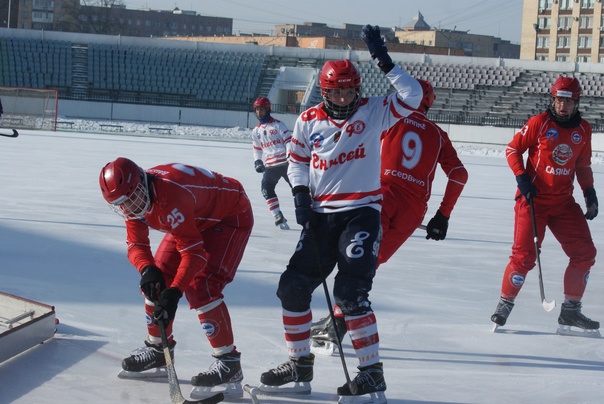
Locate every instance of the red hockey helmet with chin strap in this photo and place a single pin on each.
(262, 102)
(565, 87)
(124, 187)
(337, 74)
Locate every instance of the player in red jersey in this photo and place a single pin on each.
(207, 220)
(411, 152)
(558, 143)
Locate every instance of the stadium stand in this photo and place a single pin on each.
(200, 75)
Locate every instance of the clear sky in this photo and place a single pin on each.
(484, 17)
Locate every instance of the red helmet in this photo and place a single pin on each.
(337, 74)
(566, 87)
(429, 96)
(124, 187)
(262, 102)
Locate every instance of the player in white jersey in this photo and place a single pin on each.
(270, 144)
(334, 169)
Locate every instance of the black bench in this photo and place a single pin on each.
(111, 127)
(160, 130)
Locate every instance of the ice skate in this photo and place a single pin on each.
(281, 221)
(298, 371)
(367, 387)
(502, 312)
(323, 335)
(223, 376)
(146, 362)
(574, 323)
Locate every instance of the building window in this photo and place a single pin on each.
(566, 4)
(561, 58)
(585, 42)
(564, 23)
(545, 4)
(563, 41)
(543, 42)
(587, 4)
(586, 22)
(583, 59)
(545, 22)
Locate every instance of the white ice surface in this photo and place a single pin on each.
(61, 245)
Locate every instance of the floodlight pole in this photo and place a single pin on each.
(9, 7)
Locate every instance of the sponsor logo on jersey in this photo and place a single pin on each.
(269, 144)
(316, 139)
(576, 137)
(551, 134)
(405, 176)
(298, 143)
(562, 154)
(557, 171)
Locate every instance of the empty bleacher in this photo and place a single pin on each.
(208, 76)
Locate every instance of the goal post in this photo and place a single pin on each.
(29, 108)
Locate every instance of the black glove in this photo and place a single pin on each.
(165, 309)
(591, 201)
(303, 204)
(525, 185)
(377, 47)
(259, 166)
(437, 227)
(152, 282)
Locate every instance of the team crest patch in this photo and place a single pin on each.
(562, 154)
(517, 280)
(576, 137)
(209, 328)
(551, 134)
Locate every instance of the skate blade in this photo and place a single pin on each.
(377, 397)
(570, 331)
(230, 390)
(297, 388)
(157, 373)
(326, 348)
(284, 226)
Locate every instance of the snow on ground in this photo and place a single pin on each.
(61, 245)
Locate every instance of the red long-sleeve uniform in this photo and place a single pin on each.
(556, 154)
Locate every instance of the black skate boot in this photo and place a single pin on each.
(297, 370)
(323, 339)
(369, 381)
(502, 312)
(571, 316)
(323, 330)
(150, 356)
(224, 372)
(281, 221)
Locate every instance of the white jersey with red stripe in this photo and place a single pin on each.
(339, 160)
(270, 142)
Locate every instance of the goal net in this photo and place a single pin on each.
(29, 108)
